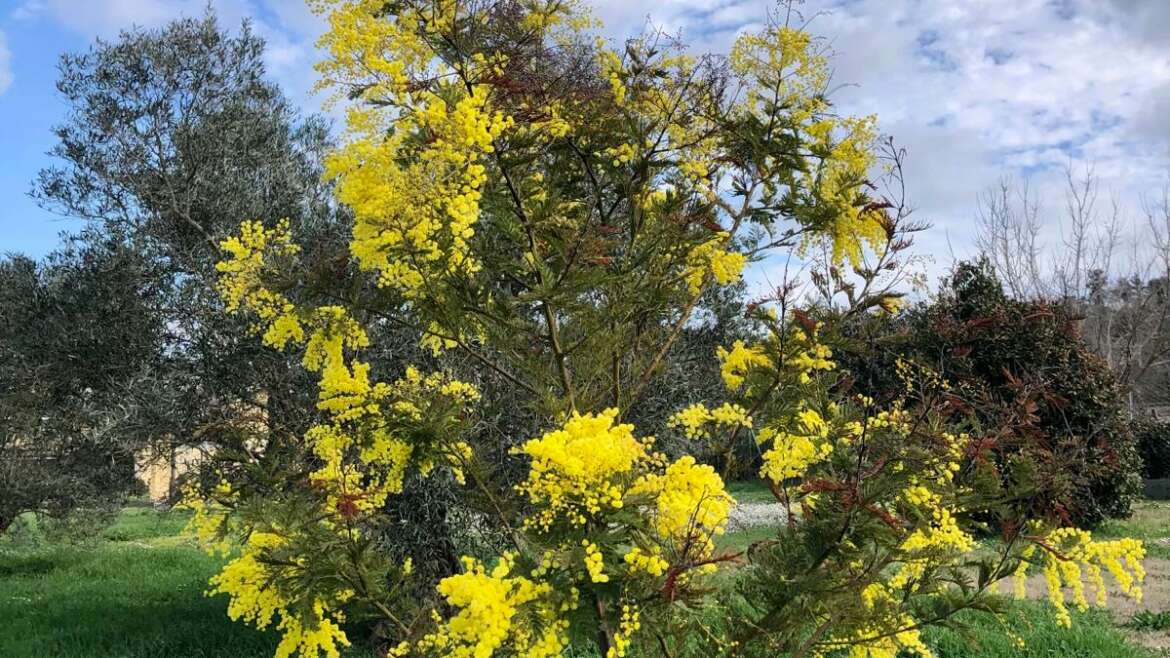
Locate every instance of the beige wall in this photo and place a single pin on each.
(161, 471)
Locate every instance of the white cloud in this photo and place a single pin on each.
(5, 64)
(105, 18)
(289, 19)
(28, 10)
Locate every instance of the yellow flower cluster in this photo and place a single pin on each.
(592, 466)
(782, 54)
(849, 142)
(358, 40)
(809, 356)
(888, 632)
(612, 70)
(937, 534)
(415, 209)
(630, 623)
(695, 419)
(801, 354)
(1071, 556)
(382, 456)
(497, 609)
(621, 154)
(345, 390)
(784, 67)
(794, 450)
(241, 282)
(734, 364)
(364, 487)
(692, 420)
(249, 583)
(415, 190)
(711, 258)
(582, 469)
(594, 563)
(322, 636)
(691, 505)
(348, 394)
(255, 598)
(209, 522)
(362, 453)
(650, 562)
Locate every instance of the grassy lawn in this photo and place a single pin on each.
(750, 491)
(136, 591)
(1093, 635)
(740, 540)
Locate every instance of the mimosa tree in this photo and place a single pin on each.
(525, 197)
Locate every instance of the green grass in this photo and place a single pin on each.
(1150, 523)
(1093, 635)
(136, 593)
(738, 541)
(144, 523)
(1148, 620)
(750, 491)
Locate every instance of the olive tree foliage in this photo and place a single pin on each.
(77, 336)
(548, 212)
(170, 135)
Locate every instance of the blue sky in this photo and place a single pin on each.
(974, 89)
(28, 109)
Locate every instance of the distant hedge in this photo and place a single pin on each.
(1153, 445)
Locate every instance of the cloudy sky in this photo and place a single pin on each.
(973, 89)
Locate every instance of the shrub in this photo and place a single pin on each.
(1033, 384)
(1153, 444)
(72, 331)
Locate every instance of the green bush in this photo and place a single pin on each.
(1050, 406)
(1153, 444)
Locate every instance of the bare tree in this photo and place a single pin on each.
(1114, 279)
(1009, 235)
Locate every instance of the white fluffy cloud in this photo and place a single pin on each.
(104, 18)
(5, 64)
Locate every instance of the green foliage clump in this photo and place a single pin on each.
(1049, 406)
(72, 331)
(1148, 620)
(1153, 444)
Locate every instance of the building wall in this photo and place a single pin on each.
(161, 471)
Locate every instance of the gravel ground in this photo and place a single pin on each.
(748, 515)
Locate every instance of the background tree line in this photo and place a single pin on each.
(1107, 269)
